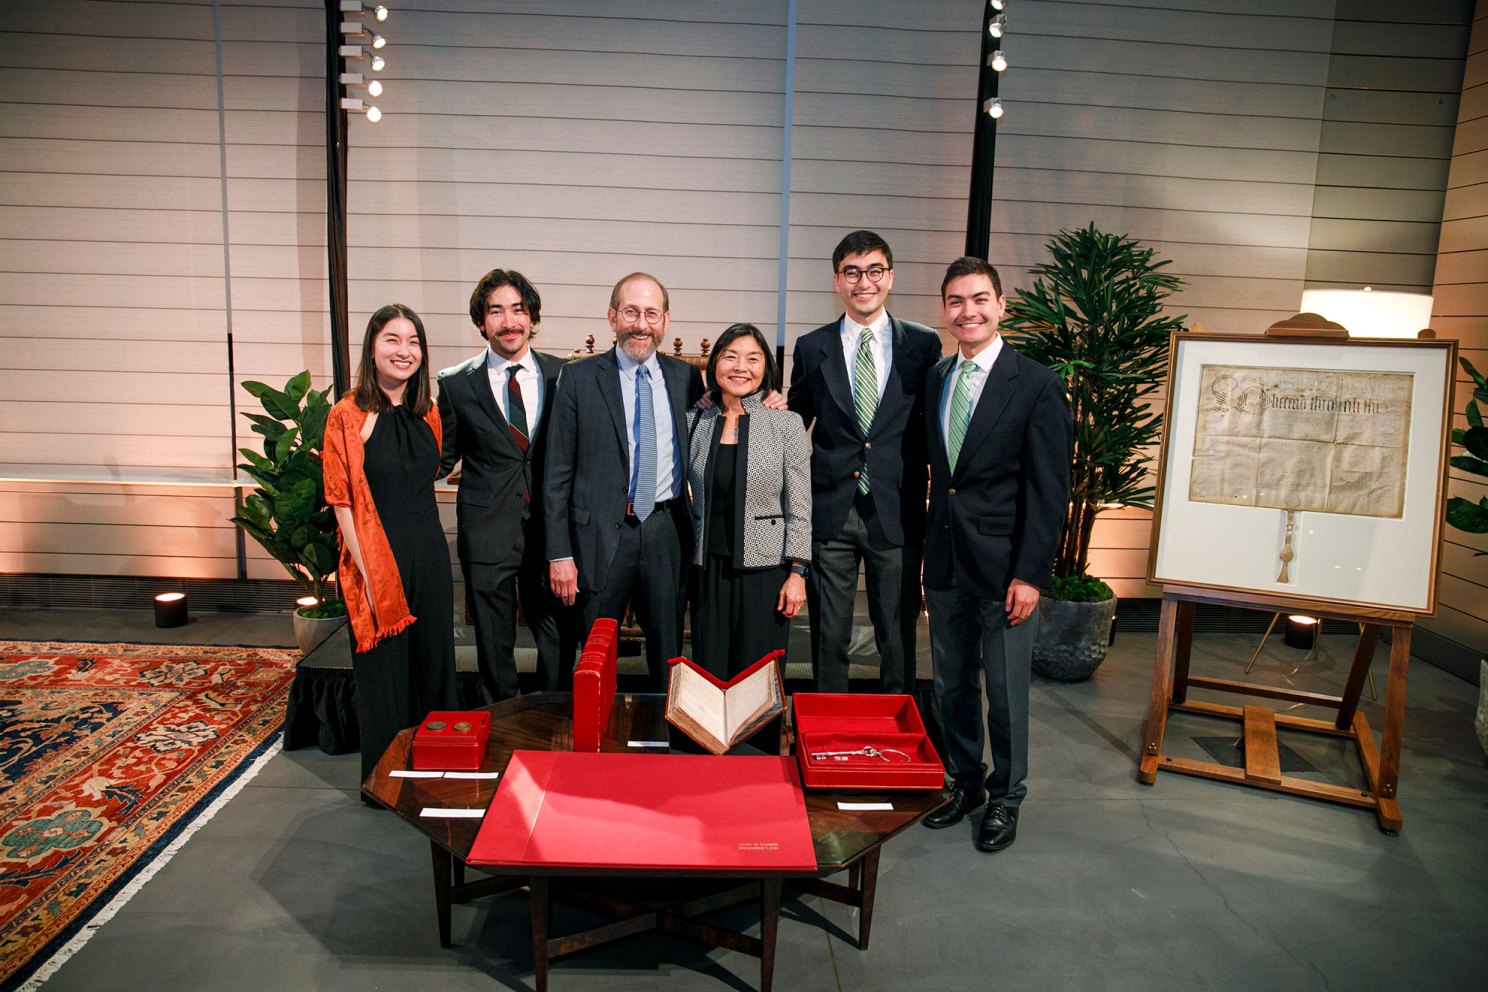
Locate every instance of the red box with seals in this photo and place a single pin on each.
(451, 741)
(863, 741)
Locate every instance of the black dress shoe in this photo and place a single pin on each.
(964, 799)
(999, 828)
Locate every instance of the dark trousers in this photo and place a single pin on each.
(400, 680)
(832, 592)
(492, 591)
(970, 640)
(646, 573)
(734, 619)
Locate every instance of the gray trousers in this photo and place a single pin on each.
(970, 641)
(832, 592)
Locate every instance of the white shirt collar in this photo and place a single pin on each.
(984, 358)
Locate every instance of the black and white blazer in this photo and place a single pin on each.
(776, 509)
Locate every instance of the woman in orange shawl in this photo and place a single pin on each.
(380, 459)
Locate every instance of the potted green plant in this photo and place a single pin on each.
(1094, 315)
(1472, 517)
(287, 514)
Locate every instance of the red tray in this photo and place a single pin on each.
(444, 748)
(841, 721)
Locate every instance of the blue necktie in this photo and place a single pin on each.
(643, 493)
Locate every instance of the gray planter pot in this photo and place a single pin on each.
(310, 632)
(1072, 638)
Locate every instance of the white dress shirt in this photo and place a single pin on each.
(527, 378)
(883, 349)
(984, 360)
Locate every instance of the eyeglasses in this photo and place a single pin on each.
(852, 273)
(635, 314)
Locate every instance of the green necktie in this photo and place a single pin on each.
(960, 412)
(865, 393)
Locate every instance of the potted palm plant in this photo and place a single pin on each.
(287, 514)
(1472, 517)
(1094, 316)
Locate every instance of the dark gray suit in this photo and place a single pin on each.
(994, 519)
(500, 536)
(586, 488)
(885, 529)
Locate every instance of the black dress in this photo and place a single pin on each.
(734, 619)
(404, 677)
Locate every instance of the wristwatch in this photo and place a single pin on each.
(798, 569)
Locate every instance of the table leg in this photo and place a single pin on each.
(769, 921)
(542, 917)
(870, 885)
(443, 869)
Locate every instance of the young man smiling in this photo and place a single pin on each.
(999, 440)
(494, 409)
(858, 384)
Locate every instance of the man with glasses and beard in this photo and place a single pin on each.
(619, 528)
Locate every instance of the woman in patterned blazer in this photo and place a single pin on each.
(750, 473)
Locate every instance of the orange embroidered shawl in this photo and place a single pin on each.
(346, 485)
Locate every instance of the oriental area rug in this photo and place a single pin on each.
(110, 754)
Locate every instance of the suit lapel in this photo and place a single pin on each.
(996, 393)
(932, 410)
(485, 398)
(609, 390)
(894, 396)
(834, 370)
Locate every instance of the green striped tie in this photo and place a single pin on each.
(865, 395)
(960, 412)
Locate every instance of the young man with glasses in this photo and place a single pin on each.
(614, 493)
(858, 383)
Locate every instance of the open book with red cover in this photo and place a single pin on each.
(647, 811)
(719, 714)
(594, 685)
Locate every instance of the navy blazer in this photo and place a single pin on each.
(586, 484)
(997, 516)
(893, 449)
(494, 471)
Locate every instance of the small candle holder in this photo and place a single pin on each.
(1302, 631)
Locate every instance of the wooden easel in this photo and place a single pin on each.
(1262, 763)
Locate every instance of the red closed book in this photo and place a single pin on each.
(594, 685)
(647, 811)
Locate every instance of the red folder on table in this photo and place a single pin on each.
(647, 811)
(594, 685)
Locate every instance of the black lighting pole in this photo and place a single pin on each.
(983, 148)
(336, 201)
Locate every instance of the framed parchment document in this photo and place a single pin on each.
(1305, 468)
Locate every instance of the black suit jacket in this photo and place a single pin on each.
(495, 472)
(894, 448)
(997, 516)
(587, 481)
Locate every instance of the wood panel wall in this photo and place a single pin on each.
(1461, 311)
(143, 217)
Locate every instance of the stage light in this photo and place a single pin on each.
(380, 13)
(374, 115)
(997, 62)
(378, 62)
(170, 609)
(998, 26)
(374, 88)
(993, 107)
(999, 5)
(378, 40)
(1301, 631)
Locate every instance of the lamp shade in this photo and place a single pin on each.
(1370, 314)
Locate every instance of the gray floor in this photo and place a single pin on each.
(1112, 885)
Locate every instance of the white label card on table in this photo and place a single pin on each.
(884, 806)
(483, 775)
(410, 773)
(648, 744)
(438, 813)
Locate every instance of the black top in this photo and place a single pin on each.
(401, 459)
(722, 507)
